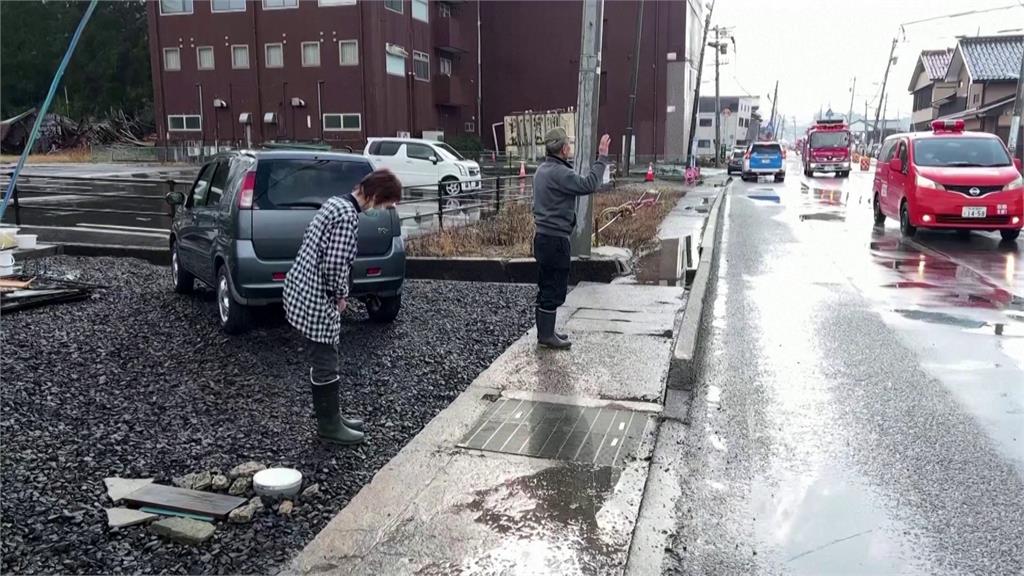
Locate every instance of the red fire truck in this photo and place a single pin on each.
(826, 148)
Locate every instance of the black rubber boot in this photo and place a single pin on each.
(546, 331)
(353, 423)
(329, 424)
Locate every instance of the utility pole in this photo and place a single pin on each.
(885, 79)
(718, 104)
(696, 89)
(632, 90)
(775, 97)
(1015, 145)
(849, 117)
(586, 117)
(885, 105)
(864, 139)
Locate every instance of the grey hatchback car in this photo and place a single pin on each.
(240, 225)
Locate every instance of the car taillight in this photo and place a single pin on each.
(373, 271)
(245, 195)
(279, 276)
(783, 153)
(746, 155)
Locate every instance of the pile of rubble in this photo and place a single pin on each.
(187, 513)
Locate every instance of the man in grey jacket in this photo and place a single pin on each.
(555, 189)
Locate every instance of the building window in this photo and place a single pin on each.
(240, 57)
(343, 122)
(275, 55)
(280, 4)
(470, 127)
(395, 5)
(446, 66)
(704, 122)
(420, 10)
(310, 54)
(172, 59)
(228, 5)
(204, 57)
(703, 143)
(348, 52)
(337, 2)
(444, 10)
(741, 142)
(184, 123)
(395, 64)
(169, 7)
(421, 65)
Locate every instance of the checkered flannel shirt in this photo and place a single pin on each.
(320, 275)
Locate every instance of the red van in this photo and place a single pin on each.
(951, 179)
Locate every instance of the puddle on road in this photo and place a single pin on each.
(940, 318)
(551, 522)
(824, 216)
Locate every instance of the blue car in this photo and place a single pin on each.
(764, 159)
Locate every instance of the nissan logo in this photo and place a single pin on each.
(974, 191)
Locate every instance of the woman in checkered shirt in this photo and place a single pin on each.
(316, 293)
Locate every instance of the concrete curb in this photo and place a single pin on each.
(515, 270)
(684, 351)
(153, 255)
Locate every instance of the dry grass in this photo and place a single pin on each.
(509, 234)
(75, 156)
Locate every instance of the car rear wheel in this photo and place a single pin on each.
(808, 173)
(876, 207)
(182, 280)
(1009, 235)
(906, 228)
(234, 317)
(780, 177)
(450, 186)
(383, 310)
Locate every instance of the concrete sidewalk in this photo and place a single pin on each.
(538, 468)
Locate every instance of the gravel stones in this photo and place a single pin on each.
(246, 470)
(183, 530)
(285, 508)
(195, 481)
(240, 486)
(183, 397)
(311, 492)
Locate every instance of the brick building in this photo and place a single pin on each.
(340, 71)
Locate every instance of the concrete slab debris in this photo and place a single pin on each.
(122, 517)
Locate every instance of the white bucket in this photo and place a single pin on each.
(6, 270)
(26, 240)
(7, 258)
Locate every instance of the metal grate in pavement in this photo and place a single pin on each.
(601, 436)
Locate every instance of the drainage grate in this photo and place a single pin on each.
(602, 436)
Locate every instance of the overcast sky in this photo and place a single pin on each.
(814, 48)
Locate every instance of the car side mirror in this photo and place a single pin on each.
(1020, 165)
(175, 198)
(896, 164)
(434, 160)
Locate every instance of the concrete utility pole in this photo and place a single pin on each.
(1015, 145)
(885, 79)
(586, 118)
(775, 97)
(885, 105)
(696, 89)
(864, 140)
(632, 89)
(718, 104)
(849, 117)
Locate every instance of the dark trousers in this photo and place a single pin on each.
(552, 254)
(323, 362)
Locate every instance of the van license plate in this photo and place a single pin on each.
(974, 211)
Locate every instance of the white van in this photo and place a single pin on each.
(419, 162)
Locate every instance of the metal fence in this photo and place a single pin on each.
(426, 209)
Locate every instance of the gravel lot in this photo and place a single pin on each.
(140, 382)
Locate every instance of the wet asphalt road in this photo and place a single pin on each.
(860, 404)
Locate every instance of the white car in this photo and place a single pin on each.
(418, 162)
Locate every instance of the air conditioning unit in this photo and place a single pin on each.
(245, 118)
(218, 103)
(193, 151)
(404, 134)
(396, 50)
(433, 135)
(270, 118)
(298, 103)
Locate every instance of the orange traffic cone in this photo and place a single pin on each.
(650, 173)
(522, 169)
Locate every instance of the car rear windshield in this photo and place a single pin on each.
(305, 183)
(960, 151)
(766, 149)
(830, 140)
